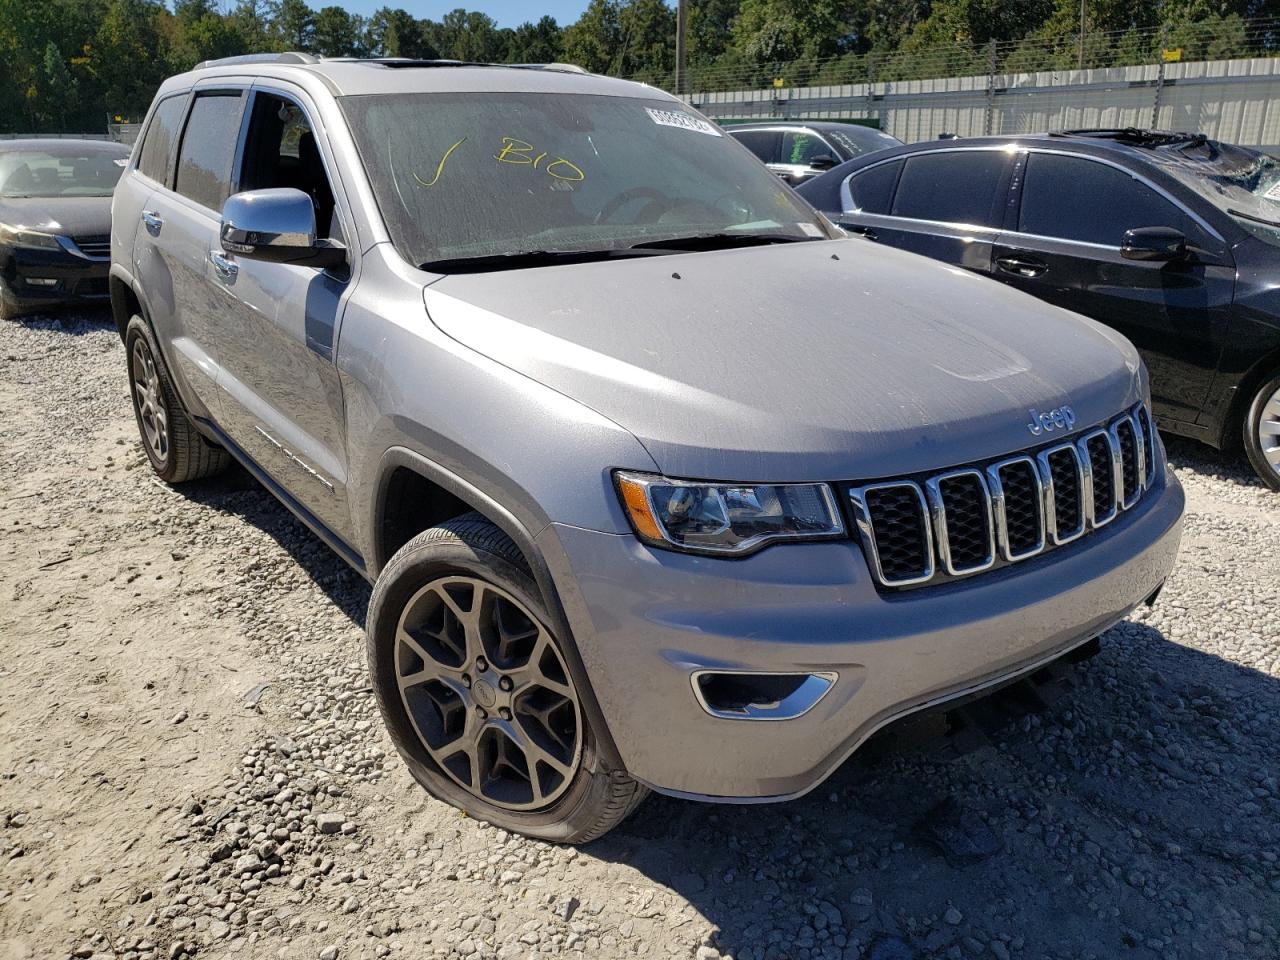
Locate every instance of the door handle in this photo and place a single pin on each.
(1026, 267)
(152, 220)
(225, 268)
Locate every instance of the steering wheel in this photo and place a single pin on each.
(635, 193)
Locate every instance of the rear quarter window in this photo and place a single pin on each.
(872, 190)
(156, 154)
(763, 143)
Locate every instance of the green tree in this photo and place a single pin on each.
(253, 20)
(127, 57)
(647, 51)
(593, 41)
(463, 35)
(336, 33)
(58, 91)
(780, 30)
(293, 24)
(535, 42)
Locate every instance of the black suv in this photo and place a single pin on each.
(1172, 239)
(798, 150)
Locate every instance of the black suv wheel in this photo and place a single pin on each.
(1262, 432)
(473, 687)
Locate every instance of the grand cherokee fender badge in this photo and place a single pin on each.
(1060, 418)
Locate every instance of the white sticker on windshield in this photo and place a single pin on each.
(1274, 192)
(674, 118)
(121, 162)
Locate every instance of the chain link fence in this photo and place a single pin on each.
(1220, 77)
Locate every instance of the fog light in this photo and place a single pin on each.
(743, 695)
(42, 281)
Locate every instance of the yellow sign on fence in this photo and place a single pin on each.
(1171, 56)
(778, 82)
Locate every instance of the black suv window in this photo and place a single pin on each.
(872, 190)
(952, 186)
(162, 133)
(208, 149)
(1074, 198)
(763, 143)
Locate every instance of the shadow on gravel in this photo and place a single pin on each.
(1136, 817)
(1231, 467)
(236, 492)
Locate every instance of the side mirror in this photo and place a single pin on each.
(823, 161)
(278, 226)
(1154, 243)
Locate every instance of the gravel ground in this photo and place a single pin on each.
(191, 762)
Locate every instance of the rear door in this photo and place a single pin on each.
(179, 221)
(944, 204)
(1070, 216)
(280, 393)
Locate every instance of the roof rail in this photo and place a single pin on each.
(296, 58)
(561, 67)
(1135, 136)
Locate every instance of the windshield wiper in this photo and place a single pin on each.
(719, 241)
(521, 259)
(1249, 216)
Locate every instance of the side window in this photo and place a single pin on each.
(763, 143)
(209, 148)
(1073, 198)
(281, 151)
(955, 186)
(162, 134)
(872, 190)
(799, 148)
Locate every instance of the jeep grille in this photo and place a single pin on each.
(922, 530)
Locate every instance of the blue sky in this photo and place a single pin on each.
(508, 13)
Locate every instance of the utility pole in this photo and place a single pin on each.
(682, 31)
(1080, 63)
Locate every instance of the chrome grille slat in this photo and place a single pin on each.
(964, 521)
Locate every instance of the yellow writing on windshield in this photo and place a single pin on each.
(440, 167)
(521, 152)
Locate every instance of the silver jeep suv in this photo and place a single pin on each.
(660, 482)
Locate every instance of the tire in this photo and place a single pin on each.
(1262, 431)
(8, 309)
(176, 450)
(474, 691)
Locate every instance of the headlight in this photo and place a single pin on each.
(726, 518)
(21, 237)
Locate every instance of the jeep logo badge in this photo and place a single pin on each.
(1060, 418)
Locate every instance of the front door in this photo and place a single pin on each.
(1072, 215)
(280, 394)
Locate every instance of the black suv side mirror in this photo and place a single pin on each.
(277, 225)
(823, 161)
(1154, 243)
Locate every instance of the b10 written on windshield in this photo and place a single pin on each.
(517, 152)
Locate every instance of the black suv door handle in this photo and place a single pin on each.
(1027, 267)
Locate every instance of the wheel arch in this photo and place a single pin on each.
(448, 496)
(1230, 430)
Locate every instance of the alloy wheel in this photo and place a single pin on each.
(148, 396)
(1269, 432)
(487, 692)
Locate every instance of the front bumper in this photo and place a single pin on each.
(646, 621)
(77, 279)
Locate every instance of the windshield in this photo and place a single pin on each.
(467, 175)
(1244, 183)
(38, 174)
(859, 140)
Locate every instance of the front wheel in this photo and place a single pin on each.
(1262, 432)
(475, 691)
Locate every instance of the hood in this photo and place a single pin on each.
(72, 216)
(822, 360)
